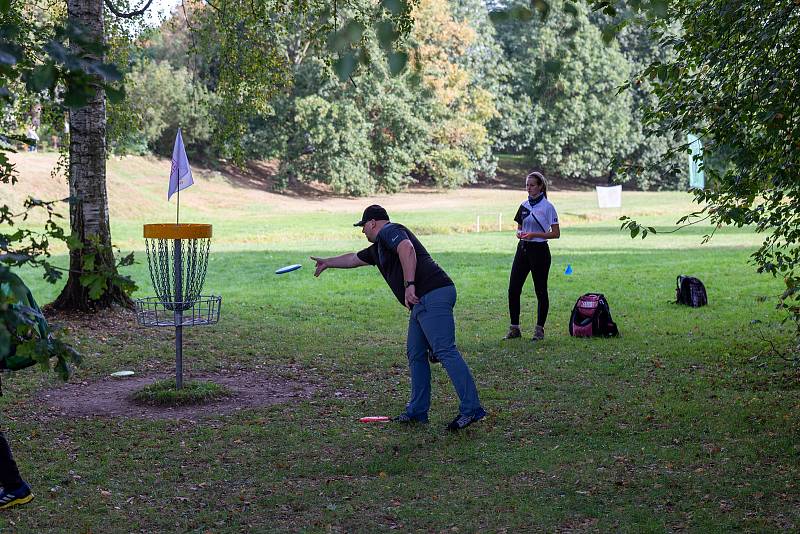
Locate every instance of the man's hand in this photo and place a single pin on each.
(411, 297)
(321, 265)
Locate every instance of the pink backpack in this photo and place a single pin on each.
(591, 317)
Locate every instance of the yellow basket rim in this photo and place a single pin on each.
(177, 231)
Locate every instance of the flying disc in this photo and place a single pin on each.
(122, 374)
(374, 419)
(288, 268)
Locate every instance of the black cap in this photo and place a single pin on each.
(373, 212)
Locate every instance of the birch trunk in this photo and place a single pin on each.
(87, 183)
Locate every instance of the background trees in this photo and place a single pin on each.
(473, 87)
(734, 81)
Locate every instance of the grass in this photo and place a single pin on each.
(688, 421)
(165, 393)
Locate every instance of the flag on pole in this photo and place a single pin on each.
(180, 177)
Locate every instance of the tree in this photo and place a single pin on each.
(93, 281)
(734, 82)
(161, 99)
(33, 60)
(575, 124)
(653, 171)
(492, 71)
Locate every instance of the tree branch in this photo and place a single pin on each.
(130, 15)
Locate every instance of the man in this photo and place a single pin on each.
(425, 289)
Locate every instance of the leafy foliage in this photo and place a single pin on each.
(733, 80)
(163, 98)
(566, 77)
(36, 63)
(25, 338)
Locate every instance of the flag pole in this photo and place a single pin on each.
(178, 214)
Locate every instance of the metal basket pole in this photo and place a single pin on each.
(178, 270)
(169, 307)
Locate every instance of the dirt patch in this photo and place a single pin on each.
(115, 321)
(111, 397)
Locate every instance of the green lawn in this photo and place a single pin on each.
(688, 421)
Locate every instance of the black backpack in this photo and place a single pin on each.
(591, 317)
(690, 291)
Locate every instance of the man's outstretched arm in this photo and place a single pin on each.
(345, 261)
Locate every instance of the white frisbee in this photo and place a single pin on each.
(122, 374)
(288, 268)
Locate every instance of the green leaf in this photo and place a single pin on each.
(499, 16)
(521, 13)
(336, 41)
(364, 57)
(7, 58)
(43, 77)
(386, 33)
(542, 7)
(397, 62)
(108, 71)
(95, 283)
(658, 8)
(552, 66)
(115, 96)
(353, 31)
(77, 96)
(5, 5)
(570, 8)
(395, 7)
(608, 33)
(344, 66)
(88, 262)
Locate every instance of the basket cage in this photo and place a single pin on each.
(192, 259)
(151, 311)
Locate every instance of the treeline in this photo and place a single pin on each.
(473, 87)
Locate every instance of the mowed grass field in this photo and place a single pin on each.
(689, 421)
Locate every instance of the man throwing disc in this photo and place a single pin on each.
(425, 289)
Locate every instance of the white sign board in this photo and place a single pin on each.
(609, 197)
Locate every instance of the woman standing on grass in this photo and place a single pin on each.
(537, 221)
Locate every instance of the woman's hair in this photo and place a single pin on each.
(539, 178)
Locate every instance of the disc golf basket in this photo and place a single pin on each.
(177, 255)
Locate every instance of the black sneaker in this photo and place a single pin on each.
(513, 332)
(20, 495)
(405, 419)
(461, 422)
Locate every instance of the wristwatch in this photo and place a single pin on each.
(408, 283)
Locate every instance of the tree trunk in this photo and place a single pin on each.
(88, 212)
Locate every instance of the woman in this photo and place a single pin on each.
(537, 221)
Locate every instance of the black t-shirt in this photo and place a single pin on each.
(383, 254)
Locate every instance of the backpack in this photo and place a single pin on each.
(591, 317)
(690, 291)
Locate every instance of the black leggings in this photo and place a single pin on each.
(9, 474)
(531, 257)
